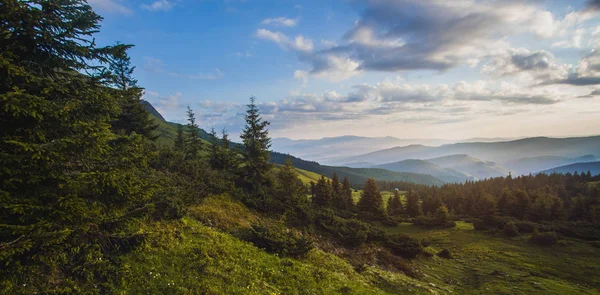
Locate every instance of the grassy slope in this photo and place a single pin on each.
(492, 264)
(189, 257)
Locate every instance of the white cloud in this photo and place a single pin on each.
(281, 21)
(159, 5)
(111, 6)
(299, 44)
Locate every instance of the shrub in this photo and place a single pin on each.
(386, 258)
(527, 226)
(511, 230)
(445, 254)
(544, 239)
(480, 225)
(350, 232)
(404, 245)
(278, 239)
(426, 221)
(588, 231)
(168, 207)
(390, 222)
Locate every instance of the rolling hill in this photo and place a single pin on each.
(499, 152)
(357, 176)
(536, 164)
(427, 167)
(593, 167)
(471, 166)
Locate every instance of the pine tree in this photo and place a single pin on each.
(394, 206)
(256, 149)
(194, 143)
(290, 190)
(180, 139)
(370, 204)
(69, 186)
(336, 186)
(346, 200)
(413, 207)
(323, 196)
(133, 116)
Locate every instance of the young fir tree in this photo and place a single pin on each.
(336, 187)
(69, 186)
(413, 207)
(133, 116)
(346, 200)
(394, 205)
(370, 204)
(256, 149)
(180, 139)
(193, 143)
(290, 191)
(323, 195)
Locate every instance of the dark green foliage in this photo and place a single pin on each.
(133, 116)
(193, 142)
(256, 150)
(391, 222)
(289, 190)
(345, 202)
(394, 205)
(180, 139)
(370, 205)
(440, 219)
(445, 254)
(404, 245)
(168, 207)
(580, 230)
(510, 229)
(413, 206)
(350, 232)
(544, 238)
(527, 226)
(275, 238)
(70, 188)
(322, 194)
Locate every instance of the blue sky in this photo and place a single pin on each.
(404, 68)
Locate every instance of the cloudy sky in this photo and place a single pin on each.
(406, 68)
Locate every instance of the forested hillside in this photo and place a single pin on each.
(94, 201)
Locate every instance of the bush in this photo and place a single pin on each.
(278, 239)
(544, 239)
(390, 222)
(588, 231)
(430, 222)
(511, 230)
(351, 232)
(168, 207)
(481, 225)
(404, 245)
(386, 258)
(445, 254)
(527, 226)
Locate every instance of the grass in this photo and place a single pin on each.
(492, 264)
(189, 257)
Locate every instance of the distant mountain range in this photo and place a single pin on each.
(593, 167)
(419, 163)
(507, 154)
(357, 176)
(324, 149)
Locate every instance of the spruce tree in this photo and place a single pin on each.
(69, 186)
(394, 206)
(290, 190)
(413, 207)
(194, 143)
(180, 139)
(370, 204)
(323, 195)
(133, 116)
(257, 142)
(346, 200)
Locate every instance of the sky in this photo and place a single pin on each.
(404, 68)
